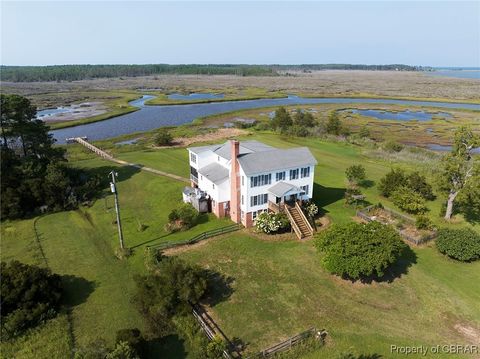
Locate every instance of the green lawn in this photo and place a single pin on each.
(80, 246)
(279, 288)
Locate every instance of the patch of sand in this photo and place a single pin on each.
(470, 333)
(221, 133)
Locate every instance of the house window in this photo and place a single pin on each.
(305, 188)
(280, 176)
(294, 174)
(193, 157)
(258, 200)
(242, 199)
(260, 180)
(218, 158)
(213, 185)
(254, 215)
(305, 172)
(243, 180)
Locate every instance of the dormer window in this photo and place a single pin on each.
(193, 157)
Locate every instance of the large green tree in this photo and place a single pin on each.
(460, 169)
(282, 120)
(34, 172)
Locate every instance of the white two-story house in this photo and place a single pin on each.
(246, 178)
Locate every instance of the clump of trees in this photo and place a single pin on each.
(408, 191)
(299, 125)
(165, 297)
(30, 295)
(461, 244)
(460, 174)
(34, 173)
(182, 218)
(169, 290)
(269, 222)
(358, 250)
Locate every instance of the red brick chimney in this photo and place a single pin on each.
(235, 182)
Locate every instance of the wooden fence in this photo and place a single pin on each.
(363, 214)
(198, 238)
(211, 330)
(290, 342)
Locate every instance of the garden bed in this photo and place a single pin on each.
(405, 225)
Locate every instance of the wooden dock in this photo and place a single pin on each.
(83, 141)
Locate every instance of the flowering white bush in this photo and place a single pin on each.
(270, 222)
(311, 209)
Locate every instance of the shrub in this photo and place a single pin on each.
(163, 138)
(133, 337)
(350, 194)
(408, 200)
(461, 244)
(310, 208)
(423, 222)
(29, 295)
(122, 350)
(392, 146)
(269, 222)
(263, 126)
(216, 347)
(358, 250)
(355, 173)
(364, 132)
(418, 183)
(169, 291)
(392, 180)
(183, 217)
(298, 131)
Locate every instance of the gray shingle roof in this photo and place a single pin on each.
(214, 172)
(279, 189)
(276, 159)
(224, 150)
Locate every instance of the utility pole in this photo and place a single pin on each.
(113, 188)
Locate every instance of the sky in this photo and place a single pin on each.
(431, 33)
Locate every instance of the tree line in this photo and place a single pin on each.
(83, 72)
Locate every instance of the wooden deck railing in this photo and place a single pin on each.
(296, 229)
(299, 209)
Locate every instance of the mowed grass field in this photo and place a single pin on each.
(279, 288)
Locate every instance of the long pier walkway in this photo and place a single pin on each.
(107, 156)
